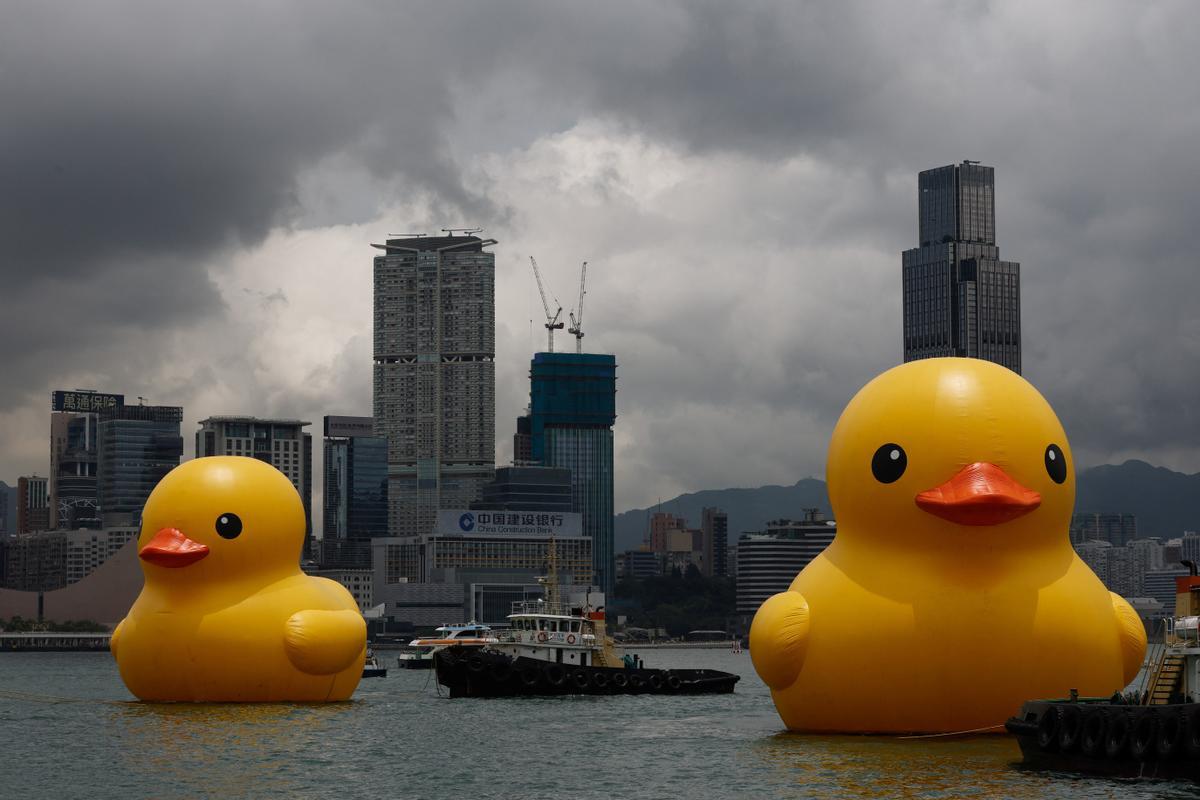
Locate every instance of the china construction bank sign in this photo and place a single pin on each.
(461, 522)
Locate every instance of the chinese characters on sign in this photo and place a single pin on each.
(84, 402)
(509, 523)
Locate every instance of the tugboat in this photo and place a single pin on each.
(1152, 732)
(420, 652)
(558, 648)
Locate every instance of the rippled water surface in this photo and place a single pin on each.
(69, 729)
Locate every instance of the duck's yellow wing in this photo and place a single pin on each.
(1133, 637)
(325, 642)
(779, 639)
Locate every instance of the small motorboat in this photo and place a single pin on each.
(372, 668)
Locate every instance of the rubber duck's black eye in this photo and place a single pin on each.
(229, 526)
(1056, 464)
(889, 463)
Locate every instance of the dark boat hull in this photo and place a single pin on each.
(415, 663)
(476, 672)
(1102, 738)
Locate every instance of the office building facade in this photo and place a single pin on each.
(960, 299)
(137, 447)
(572, 411)
(768, 561)
(528, 489)
(355, 507)
(1116, 529)
(715, 524)
(473, 555)
(33, 504)
(434, 374)
(74, 455)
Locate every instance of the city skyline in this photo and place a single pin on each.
(739, 183)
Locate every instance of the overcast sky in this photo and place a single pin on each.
(187, 197)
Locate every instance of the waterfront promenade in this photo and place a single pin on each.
(54, 642)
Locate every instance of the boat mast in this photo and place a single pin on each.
(551, 579)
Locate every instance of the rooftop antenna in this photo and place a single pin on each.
(141, 400)
(463, 231)
(552, 321)
(408, 235)
(576, 328)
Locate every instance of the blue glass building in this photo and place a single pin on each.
(138, 446)
(573, 404)
(355, 492)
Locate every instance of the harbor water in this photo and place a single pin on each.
(68, 729)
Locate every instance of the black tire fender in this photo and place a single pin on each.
(1143, 731)
(1093, 732)
(1172, 732)
(554, 675)
(1117, 740)
(1047, 728)
(1070, 725)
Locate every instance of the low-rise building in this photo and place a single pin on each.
(506, 549)
(768, 561)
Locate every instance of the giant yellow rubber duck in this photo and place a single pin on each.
(225, 613)
(950, 593)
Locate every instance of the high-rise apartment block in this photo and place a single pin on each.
(136, 447)
(355, 492)
(282, 443)
(74, 455)
(434, 374)
(715, 524)
(33, 504)
(960, 299)
(572, 410)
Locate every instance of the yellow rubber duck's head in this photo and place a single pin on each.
(945, 451)
(222, 518)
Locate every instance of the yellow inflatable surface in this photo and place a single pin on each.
(951, 592)
(226, 614)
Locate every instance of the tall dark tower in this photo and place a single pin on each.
(960, 299)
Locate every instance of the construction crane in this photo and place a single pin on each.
(576, 328)
(551, 319)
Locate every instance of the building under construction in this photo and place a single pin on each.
(434, 374)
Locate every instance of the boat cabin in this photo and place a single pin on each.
(556, 632)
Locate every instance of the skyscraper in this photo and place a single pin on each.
(434, 374)
(138, 446)
(33, 505)
(355, 492)
(960, 299)
(572, 409)
(715, 524)
(73, 455)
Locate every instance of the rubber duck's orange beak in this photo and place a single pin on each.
(980, 494)
(170, 548)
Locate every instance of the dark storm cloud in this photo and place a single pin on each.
(143, 144)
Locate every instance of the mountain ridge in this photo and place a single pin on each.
(1165, 502)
